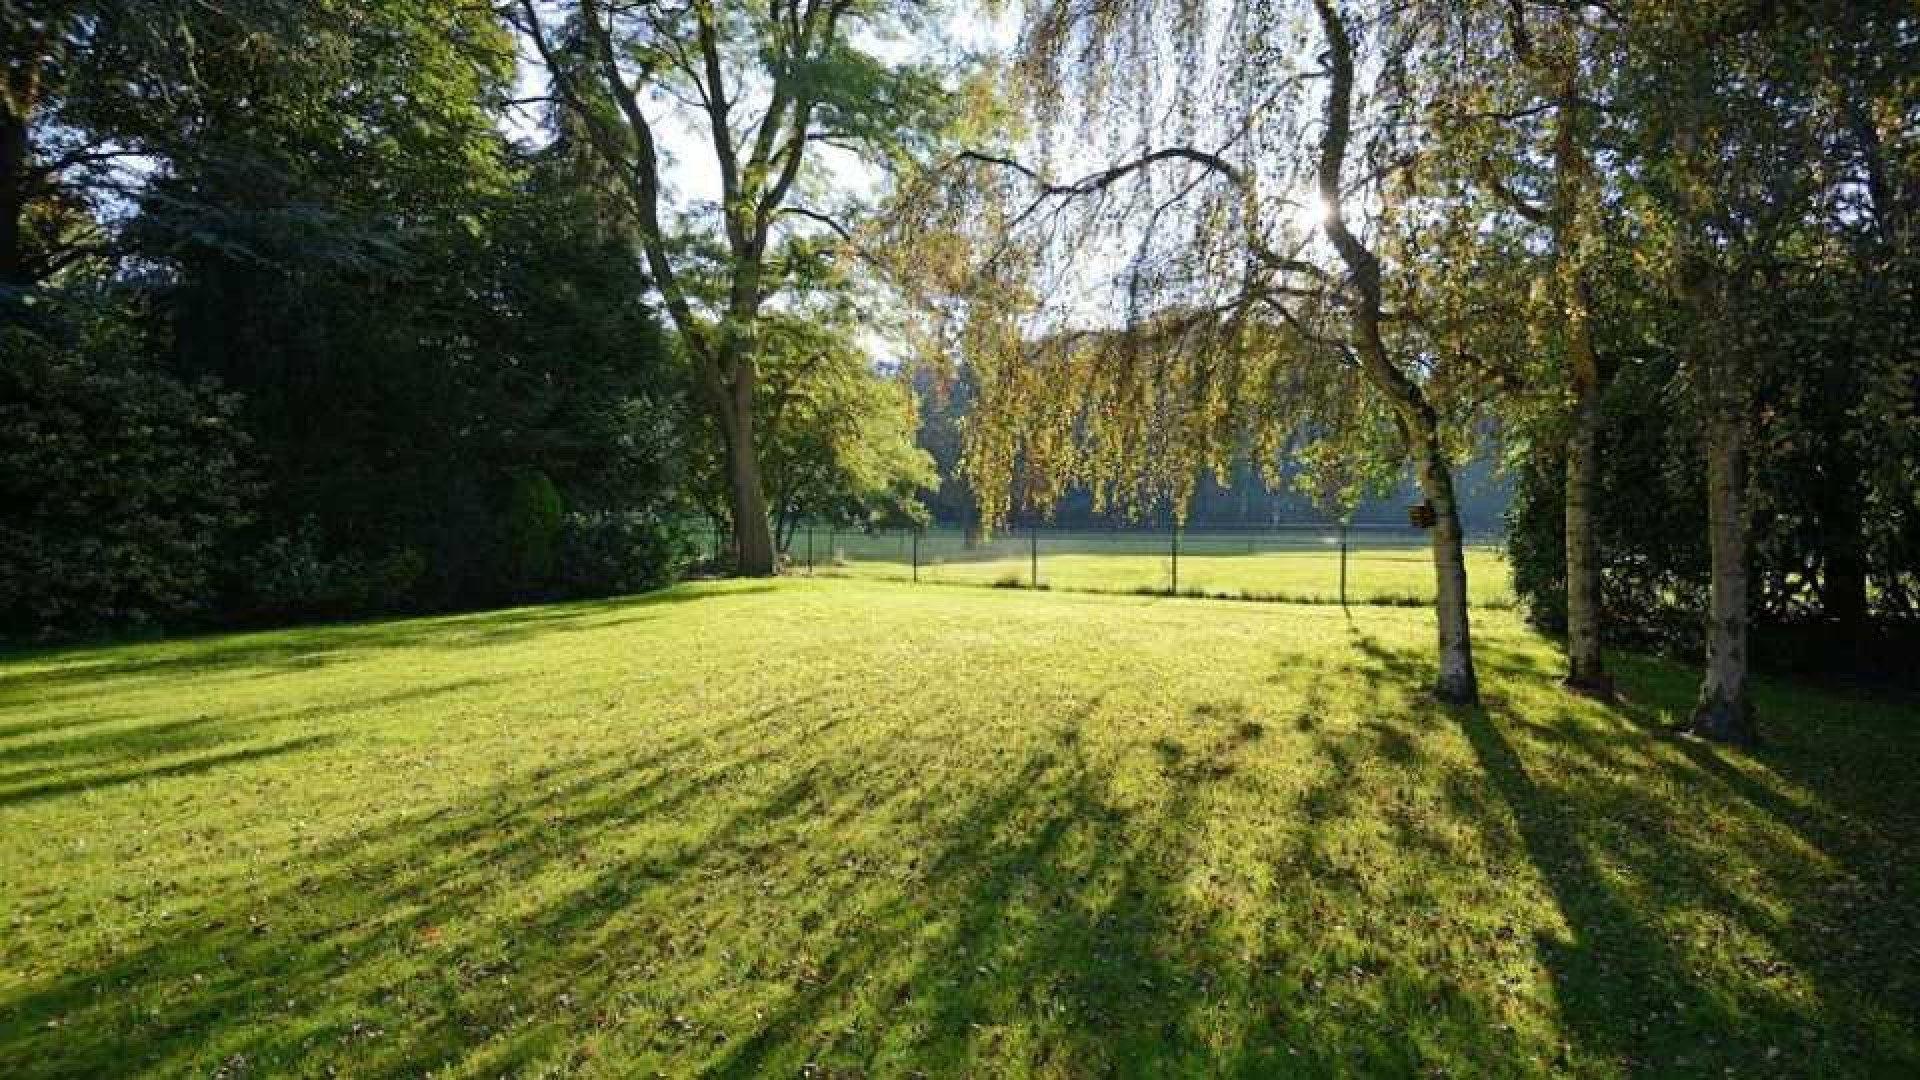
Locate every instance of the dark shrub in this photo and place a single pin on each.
(611, 553)
(121, 484)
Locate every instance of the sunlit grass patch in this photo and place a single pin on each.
(744, 829)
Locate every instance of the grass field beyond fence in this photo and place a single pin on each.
(845, 828)
(1302, 564)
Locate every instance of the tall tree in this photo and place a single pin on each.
(768, 84)
(78, 84)
(1418, 420)
(1263, 293)
(1726, 127)
(1559, 53)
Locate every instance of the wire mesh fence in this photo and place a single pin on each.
(1331, 564)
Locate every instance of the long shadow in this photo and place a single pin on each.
(173, 736)
(1612, 967)
(364, 902)
(48, 672)
(1052, 900)
(1063, 914)
(49, 768)
(206, 763)
(1630, 987)
(885, 919)
(1831, 783)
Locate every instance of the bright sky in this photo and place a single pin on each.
(693, 182)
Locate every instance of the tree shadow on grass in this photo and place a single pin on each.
(47, 789)
(1099, 894)
(1690, 883)
(336, 950)
(1066, 927)
(1046, 926)
(49, 675)
(50, 767)
(1044, 915)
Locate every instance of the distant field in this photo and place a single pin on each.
(1302, 565)
(847, 828)
(1303, 568)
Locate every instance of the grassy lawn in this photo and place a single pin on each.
(851, 828)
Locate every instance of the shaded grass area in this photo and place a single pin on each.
(846, 828)
(1398, 576)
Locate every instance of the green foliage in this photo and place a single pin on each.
(837, 437)
(610, 553)
(414, 317)
(531, 518)
(1813, 500)
(844, 449)
(420, 317)
(291, 577)
(122, 483)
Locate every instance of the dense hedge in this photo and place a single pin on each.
(123, 486)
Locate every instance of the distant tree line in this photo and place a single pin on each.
(1250, 494)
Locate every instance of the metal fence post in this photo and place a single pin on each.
(1175, 591)
(809, 550)
(1343, 565)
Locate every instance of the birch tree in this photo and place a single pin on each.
(1250, 235)
(1516, 94)
(1721, 96)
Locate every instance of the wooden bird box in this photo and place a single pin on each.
(1421, 515)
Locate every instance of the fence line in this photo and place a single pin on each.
(1363, 563)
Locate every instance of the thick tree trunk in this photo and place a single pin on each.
(13, 199)
(752, 532)
(1724, 711)
(732, 388)
(1456, 684)
(1586, 671)
(746, 495)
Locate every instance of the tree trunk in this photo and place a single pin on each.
(1457, 684)
(1419, 423)
(13, 198)
(1586, 671)
(752, 531)
(1724, 712)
